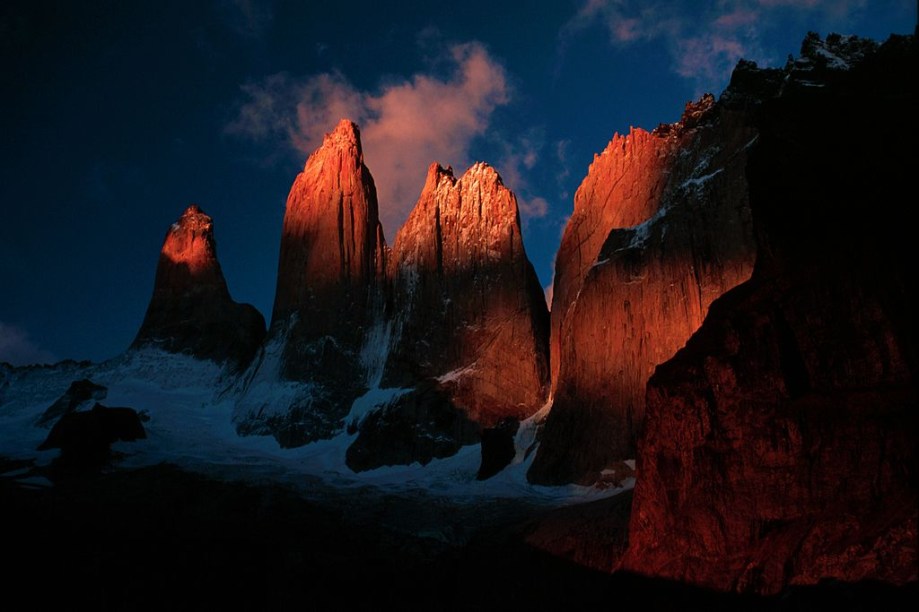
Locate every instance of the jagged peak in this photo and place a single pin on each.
(194, 209)
(694, 114)
(345, 138)
(815, 66)
(440, 177)
(480, 194)
(436, 175)
(190, 240)
(836, 52)
(483, 172)
(346, 132)
(193, 219)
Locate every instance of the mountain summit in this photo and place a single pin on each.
(191, 310)
(468, 329)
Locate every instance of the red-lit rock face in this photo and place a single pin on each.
(470, 324)
(468, 297)
(191, 310)
(188, 257)
(622, 189)
(661, 228)
(780, 445)
(331, 242)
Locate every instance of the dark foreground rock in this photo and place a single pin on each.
(85, 438)
(79, 391)
(498, 448)
(158, 538)
(418, 426)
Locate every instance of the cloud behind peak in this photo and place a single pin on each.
(405, 123)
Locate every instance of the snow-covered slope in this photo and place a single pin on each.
(191, 404)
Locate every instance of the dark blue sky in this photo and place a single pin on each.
(117, 115)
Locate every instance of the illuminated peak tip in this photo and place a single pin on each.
(193, 209)
(483, 170)
(346, 131)
(436, 171)
(193, 219)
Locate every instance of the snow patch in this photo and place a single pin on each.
(833, 61)
(695, 183)
(375, 351)
(375, 399)
(456, 374)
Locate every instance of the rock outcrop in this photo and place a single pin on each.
(780, 445)
(469, 322)
(85, 437)
(79, 392)
(661, 228)
(328, 294)
(191, 310)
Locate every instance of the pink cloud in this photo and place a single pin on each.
(535, 207)
(708, 58)
(405, 125)
(517, 158)
(627, 20)
(736, 18)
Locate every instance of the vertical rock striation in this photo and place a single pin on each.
(470, 324)
(331, 242)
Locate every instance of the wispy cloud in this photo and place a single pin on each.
(405, 124)
(534, 207)
(516, 160)
(17, 348)
(705, 39)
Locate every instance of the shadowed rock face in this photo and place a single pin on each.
(661, 228)
(191, 310)
(780, 445)
(421, 425)
(468, 315)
